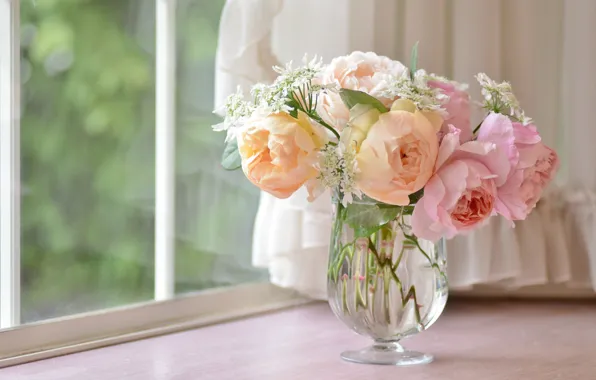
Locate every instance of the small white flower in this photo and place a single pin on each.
(338, 169)
(235, 109)
(499, 98)
(417, 91)
(291, 84)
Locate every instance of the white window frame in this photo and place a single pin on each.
(102, 328)
(20, 344)
(165, 145)
(10, 270)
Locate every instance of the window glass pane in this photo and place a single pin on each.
(87, 143)
(215, 208)
(88, 158)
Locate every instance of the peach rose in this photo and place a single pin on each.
(279, 152)
(398, 154)
(360, 71)
(362, 117)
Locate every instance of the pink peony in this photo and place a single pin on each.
(462, 193)
(458, 108)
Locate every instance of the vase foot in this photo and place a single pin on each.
(387, 353)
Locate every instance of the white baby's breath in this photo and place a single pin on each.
(236, 111)
(293, 84)
(338, 168)
(290, 77)
(499, 97)
(329, 173)
(418, 91)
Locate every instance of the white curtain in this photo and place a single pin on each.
(546, 48)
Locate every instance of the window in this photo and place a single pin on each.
(111, 189)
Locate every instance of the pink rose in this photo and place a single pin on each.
(461, 195)
(536, 168)
(458, 108)
(546, 166)
(497, 129)
(533, 165)
(360, 71)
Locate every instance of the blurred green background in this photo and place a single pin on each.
(88, 154)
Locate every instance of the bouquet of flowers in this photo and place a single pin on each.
(396, 148)
(367, 126)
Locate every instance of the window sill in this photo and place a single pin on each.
(45, 339)
(479, 340)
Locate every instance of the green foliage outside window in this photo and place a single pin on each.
(87, 148)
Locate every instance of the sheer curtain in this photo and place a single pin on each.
(542, 46)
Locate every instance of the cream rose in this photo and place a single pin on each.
(398, 154)
(279, 152)
(360, 71)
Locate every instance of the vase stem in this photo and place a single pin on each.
(387, 346)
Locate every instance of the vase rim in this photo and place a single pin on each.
(364, 200)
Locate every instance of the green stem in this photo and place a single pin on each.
(404, 301)
(477, 128)
(338, 260)
(386, 288)
(365, 299)
(355, 274)
(311, 112)
(318, 119)
(359, 302)
(414, 240)
(373, 249)
(310, 97)
(374, 296)
(434, 265)
(397, 280)
(398, 261)
(344, 295)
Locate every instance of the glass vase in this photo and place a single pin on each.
(384, 282)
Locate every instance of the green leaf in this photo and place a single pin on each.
(295, 107)
(368, 219)
(353, 97)
(414, 60)
(230, 159)
(415, 197)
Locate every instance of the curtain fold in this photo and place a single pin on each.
(542, 46)
(244, 54)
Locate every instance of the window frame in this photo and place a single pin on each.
(10, 191)
(167, 313)
(45, 339)
(165, 146)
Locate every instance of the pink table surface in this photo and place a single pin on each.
(472, 340)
